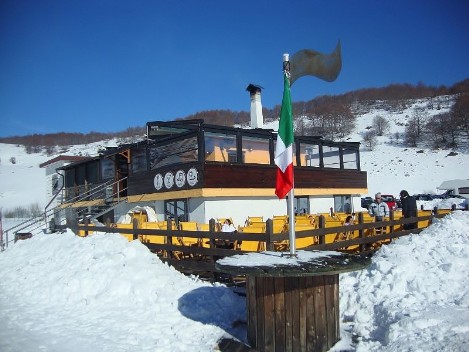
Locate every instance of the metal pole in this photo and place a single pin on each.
(291, 193)
(291, 222)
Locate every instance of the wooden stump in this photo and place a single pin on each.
(292, 305)
(293, 313)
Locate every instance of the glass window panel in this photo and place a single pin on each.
(92, 172)
(81, 175)
(220, 147)
(177, 152)
(255, 150)
(309, 155)
(70, 178)
(331, 156)
(55, 183)
(350, 158)
(343, 204)
(107, 168)
(139, 160)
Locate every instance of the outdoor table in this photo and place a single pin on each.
(292, 302)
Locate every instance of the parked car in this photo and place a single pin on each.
(366, 201)
(423, 197)
(448, 194)
(390, 200)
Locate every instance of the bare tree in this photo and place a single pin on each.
(437, 130)
(460, 112)
(412, 135)
(419, 116)
(380, 125)
(331, 121)
(369, 139)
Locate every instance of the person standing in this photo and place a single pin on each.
(379, 210)
(409, 208)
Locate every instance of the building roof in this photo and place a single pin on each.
(451, 184)
(71, 158)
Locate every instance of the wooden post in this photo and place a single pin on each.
(211, 227)
(169, 237)
(86, 222)
(361, 232)
(391, 218)
(321, 225)
(269, 229)
(134, 229)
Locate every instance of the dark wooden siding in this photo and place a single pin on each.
(221, 175)
(263, 176)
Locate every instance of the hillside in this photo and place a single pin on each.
(390, 165)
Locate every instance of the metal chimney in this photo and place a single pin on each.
(257, 120)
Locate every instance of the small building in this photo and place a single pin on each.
(188, 170)
(191, 171)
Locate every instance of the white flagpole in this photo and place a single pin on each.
(291, 193)
(291, 223)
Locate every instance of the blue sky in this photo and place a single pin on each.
(81, 66)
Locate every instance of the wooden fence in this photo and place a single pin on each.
(196, 251)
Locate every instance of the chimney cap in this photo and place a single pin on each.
(253, 88)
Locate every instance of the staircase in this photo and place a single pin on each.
(47, 221)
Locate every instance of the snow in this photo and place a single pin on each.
(59, 292)
(414, 296)
(275, 258)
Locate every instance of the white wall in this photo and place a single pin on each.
(201, 210)
(239, 208)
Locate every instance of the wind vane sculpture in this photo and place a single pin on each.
(304, 63)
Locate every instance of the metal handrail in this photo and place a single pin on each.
(43, 217)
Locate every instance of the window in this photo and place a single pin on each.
(139, 160)
(80, 176)
(55, 183)
(107, 168)
(255, 150)
(69, 178)
(343, 204)
(350, 157)
(92, 172)
(176, 209)
(301, 205)
(220, 147)
(177, 152)
(309, 155)
(331, 156)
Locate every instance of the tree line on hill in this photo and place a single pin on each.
(332, 117)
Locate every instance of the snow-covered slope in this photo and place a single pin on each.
(390, 165)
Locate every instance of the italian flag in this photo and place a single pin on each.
(284, 147)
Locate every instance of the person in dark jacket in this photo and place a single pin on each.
(409, 208)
